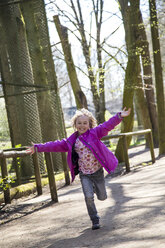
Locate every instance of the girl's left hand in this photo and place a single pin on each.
(125, 112)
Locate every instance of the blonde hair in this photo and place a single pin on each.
(81, 112)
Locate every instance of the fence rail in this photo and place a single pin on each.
(123, 136)
(14, 153)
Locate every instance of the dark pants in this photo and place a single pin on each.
(93, 183)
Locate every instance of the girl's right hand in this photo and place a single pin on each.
(30, 150)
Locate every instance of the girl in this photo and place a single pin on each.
(87, 155)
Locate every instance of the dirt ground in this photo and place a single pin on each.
(133, 216)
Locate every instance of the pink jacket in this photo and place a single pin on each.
(91, 139)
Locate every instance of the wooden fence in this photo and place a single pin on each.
(15, 153)
(18, 152)
(123, 136)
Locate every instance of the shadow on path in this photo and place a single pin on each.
(13, 212)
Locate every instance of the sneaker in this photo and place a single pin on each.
(95, 224)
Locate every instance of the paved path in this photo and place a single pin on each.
(133, 216)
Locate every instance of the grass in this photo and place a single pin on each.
(29, 188)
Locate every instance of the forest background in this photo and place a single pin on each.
(56, 56)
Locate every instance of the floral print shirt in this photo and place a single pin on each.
(88, 164)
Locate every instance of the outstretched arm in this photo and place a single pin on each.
(103, 129)
(51, 146)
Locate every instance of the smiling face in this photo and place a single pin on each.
(82, 124)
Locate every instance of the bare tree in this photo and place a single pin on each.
(80, 97)
(25, 127)
(46, 113)
(133, 80)
(158, 74)
(91, 43)
(143, 47)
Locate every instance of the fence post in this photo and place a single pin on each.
(151, 145)
(65, 168)
(37, 173)
(17, 171)
(125, 149)
(52, 183)
(4, 177)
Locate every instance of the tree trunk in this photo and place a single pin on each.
(158, 75)
(80, 97)
(98, 11)
(6, 76)
(133, 81)
(46, 113)
(137, 111)
(100, 115)
(147, 76)
(28, 127)
(141, 101)
(42, 25)
(130, 76)
(127, 123)
(139, 90)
